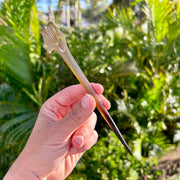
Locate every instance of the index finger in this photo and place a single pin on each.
(73, 94)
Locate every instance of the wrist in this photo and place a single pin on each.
(19, 172)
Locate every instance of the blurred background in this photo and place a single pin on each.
(132, 47)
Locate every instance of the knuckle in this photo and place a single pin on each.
(96, 135)
(75, 114)
(92, 140)
(93, 120)
(94, 116)
(88, 130)
(91, 125)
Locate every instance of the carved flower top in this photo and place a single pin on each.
(53, 38)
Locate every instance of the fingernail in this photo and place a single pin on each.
(86, 102)
(78, 141)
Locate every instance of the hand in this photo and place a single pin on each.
(64, 130)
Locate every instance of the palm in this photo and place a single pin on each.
(69, 163)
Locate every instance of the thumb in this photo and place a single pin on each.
(76, 117)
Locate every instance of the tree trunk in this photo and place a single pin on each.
(79, 12)
(68, 13)
(80, 17)
(51, 17)
(76, 9)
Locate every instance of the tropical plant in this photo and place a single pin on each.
(107, 160)
(145, 105)
(155, 49)
(135, 57)
(23, 87)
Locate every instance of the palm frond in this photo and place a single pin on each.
(34, 26)
(8, 108)
(17, 15)
(15, 121)
(162, 14)
(20, 133)
(14, 58)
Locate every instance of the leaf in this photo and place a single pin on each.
(14, 58)
(19, 133)
(8, 108)
(162, 15)
(15, 121)
(34, 24)
(17, 15)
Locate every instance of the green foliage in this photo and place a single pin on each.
(108, 160)
(21, 92)
(138, 63)
(17, 120)
(17, 15)
(14, 53)
(135, 57)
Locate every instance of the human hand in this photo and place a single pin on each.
(64, 130)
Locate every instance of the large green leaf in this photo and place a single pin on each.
(17, 15)
(14, 58)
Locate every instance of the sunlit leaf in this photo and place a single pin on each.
(14, 58)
